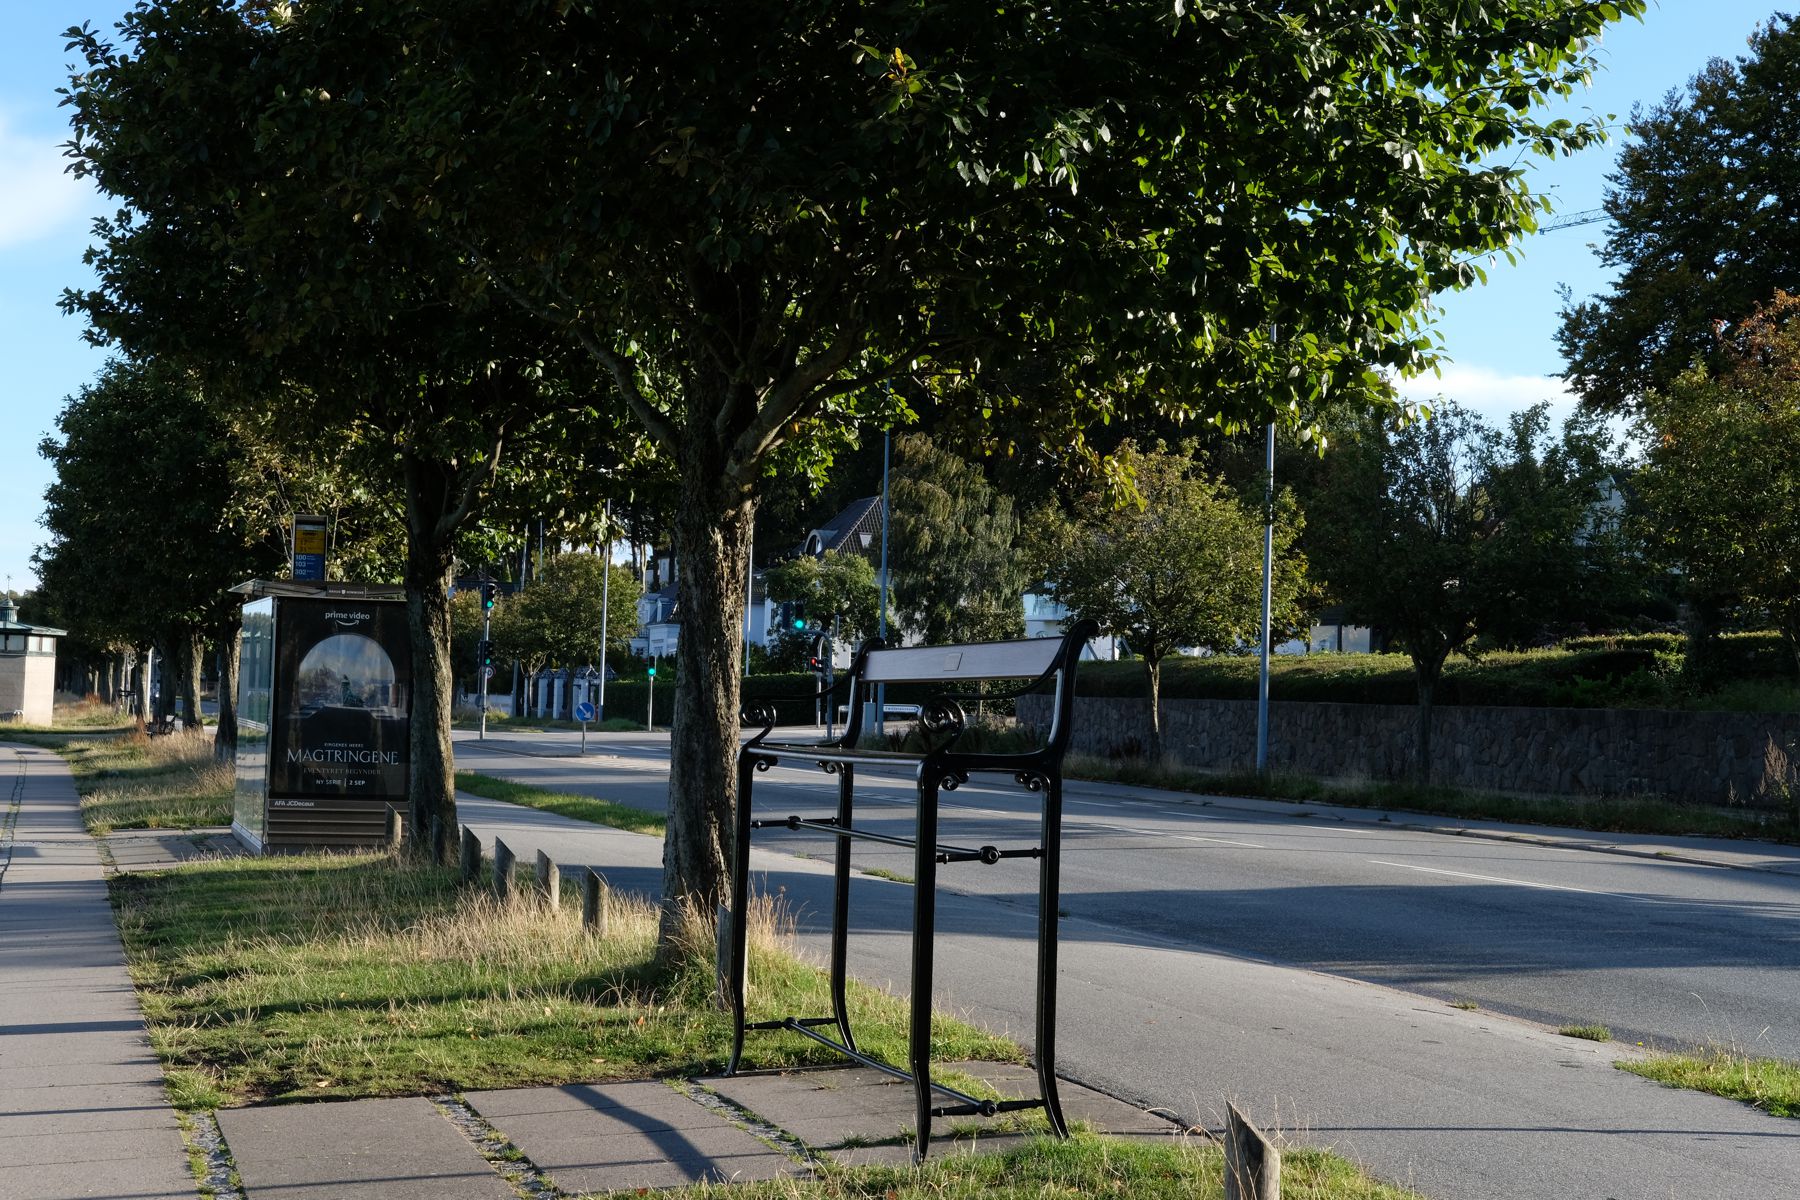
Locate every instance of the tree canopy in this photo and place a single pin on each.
(957, 574)
(1180, 570)
(1448, 530)
(1720, 483)
(1702, 224)
(749, 215)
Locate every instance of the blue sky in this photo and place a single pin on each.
(1498, 336)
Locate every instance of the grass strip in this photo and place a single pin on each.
(130, 781)
(563, 804)
(1085, 1165)
(1771, 1084)
(1602, 814)
(348, 976)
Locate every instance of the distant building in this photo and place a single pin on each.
(27, 668)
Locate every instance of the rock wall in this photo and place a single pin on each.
(1701, 757)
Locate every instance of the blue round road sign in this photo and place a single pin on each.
(584, 711)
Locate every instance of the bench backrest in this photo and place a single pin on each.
(971, 662)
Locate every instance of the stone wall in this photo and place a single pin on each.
(1702, 757)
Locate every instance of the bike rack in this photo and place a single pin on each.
(941, 768)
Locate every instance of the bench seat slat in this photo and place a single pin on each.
(1025, 659)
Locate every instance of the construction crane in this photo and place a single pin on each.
(1587, 216)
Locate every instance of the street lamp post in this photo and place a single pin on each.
(1262, 679)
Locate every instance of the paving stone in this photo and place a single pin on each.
(855, 1114)
(605, 1137)
(356, 1150)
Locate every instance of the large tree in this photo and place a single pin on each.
(1178, 567)
(151, 518)
(1702, 224)
(957, 574)
(749, 215)
(235, 253)
(1448, 530)
(1720, 482)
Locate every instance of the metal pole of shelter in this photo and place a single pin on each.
(605, 604)
(1262, 681)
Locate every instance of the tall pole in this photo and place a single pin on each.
(605, 603)
(1262, 680)
(487, 654)
(887, 442)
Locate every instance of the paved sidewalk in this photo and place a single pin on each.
(82, 1110)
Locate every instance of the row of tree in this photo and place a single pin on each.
(513, 251)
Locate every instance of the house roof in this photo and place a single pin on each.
(855, 530)
(10, 623)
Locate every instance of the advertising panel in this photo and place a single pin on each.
(343, 697)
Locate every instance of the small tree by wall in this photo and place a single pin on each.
(1182, 569)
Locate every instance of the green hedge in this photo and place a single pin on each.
(1755, 655)
(1586, 679)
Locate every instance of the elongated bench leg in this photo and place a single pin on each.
(924, 933)
(840, 907)
(1049, 895)
(740, 910)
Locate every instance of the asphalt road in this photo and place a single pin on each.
(1185, 923)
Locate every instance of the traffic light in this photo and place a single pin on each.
(797, 615)
(488, 590)
(816, 662)
(484, 650)
(651, 671)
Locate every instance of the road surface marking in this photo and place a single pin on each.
(1549, 887)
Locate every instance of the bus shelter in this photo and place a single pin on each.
(324, 715)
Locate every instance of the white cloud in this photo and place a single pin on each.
(1491, 393)
(37, 195)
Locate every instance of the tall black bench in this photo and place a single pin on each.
(941, 767)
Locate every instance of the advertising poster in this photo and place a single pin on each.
(343, 700)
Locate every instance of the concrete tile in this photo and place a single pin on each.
(132, 1180)
(356, 1150)
(92, 1146)
(639, 1134)
(641, 1095)
(671, 1158)
(51, 1079)
(69, 1100)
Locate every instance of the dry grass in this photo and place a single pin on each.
(131, 781)
(317, 976)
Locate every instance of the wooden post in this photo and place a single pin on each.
(1252, 1163)
(503, 871)
(549, 880)
(396, 830)
(471, 856)
(593, 903)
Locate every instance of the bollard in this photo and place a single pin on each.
(549, 881)
(593, 902)
(396, 829)
(471, 856)
(1252, 1163)
(503, 871)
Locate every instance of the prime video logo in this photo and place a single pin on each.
(348, 618)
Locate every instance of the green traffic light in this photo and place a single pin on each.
(652, 671)
(799, 622)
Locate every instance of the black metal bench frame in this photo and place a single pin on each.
(941, 768)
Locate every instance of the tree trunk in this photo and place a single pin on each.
(143, 668)
(1427, 671)
(712, 539)
(225, 736)
(430, 569)
(191, 649)
(1153, 675)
